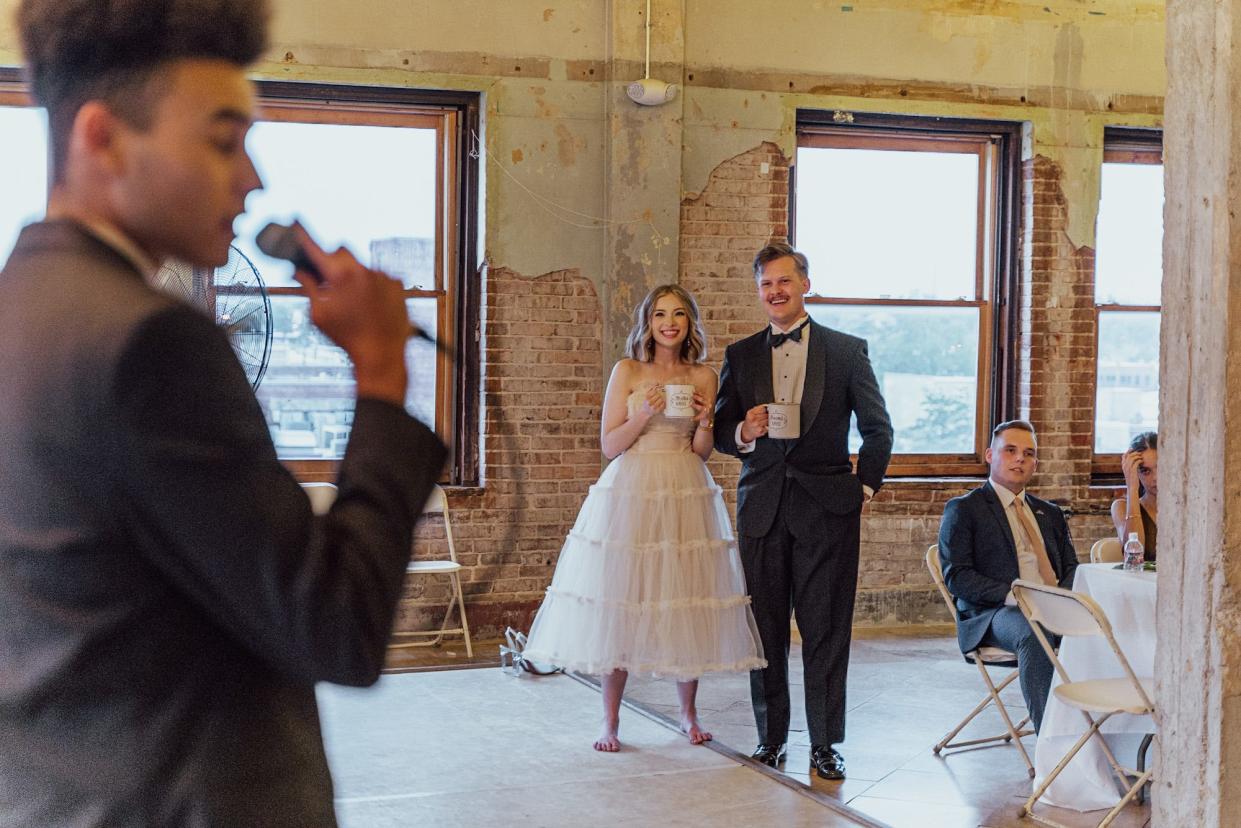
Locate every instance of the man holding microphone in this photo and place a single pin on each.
(168, 599)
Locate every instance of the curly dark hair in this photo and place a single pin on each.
(112, 50)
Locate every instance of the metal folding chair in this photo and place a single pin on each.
(1066, 613)
(437, 503)
(982, 658)
(1107, 550)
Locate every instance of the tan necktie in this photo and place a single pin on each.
(1035, 538)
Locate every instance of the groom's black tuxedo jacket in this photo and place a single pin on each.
(839, 383)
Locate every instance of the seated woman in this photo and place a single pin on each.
(1138, 510)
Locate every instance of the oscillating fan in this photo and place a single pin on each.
(236, 297)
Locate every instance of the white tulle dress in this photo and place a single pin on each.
(649, 579)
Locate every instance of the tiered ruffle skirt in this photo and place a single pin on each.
(649, 580)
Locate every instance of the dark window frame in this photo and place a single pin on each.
(999, 262)
(461, 226)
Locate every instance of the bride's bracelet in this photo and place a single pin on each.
(707, 426)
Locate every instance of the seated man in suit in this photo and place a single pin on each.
(995, 535)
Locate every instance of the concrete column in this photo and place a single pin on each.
(642, 170)
(1198, 667)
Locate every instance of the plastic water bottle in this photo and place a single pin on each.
(1134, 554)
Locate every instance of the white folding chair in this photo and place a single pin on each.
(982, 658)
(437, 503)
(1066, 613)
(322, 496)
(1107, 550)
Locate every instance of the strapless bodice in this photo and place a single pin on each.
(661, 433)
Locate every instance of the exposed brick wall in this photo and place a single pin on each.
(543, 394)
(741, 209)
(738, 212)
(1056, 347)
(542, 398)
(1056, 352)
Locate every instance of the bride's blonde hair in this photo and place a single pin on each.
(640, 344)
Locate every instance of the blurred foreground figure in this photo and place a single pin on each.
(168, 600)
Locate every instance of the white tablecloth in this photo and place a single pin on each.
(1128, 599)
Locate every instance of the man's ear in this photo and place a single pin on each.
(987, 455)
(96, 138)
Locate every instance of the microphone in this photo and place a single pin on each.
(281, 242)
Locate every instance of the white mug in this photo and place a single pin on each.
(783, 421)
(680, 400)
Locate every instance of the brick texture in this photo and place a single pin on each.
(1057, 340)
(542, 398)
(543, 395)
(741, 209)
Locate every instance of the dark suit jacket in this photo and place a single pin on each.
(839, 383)
(979, 556)
(168, 600)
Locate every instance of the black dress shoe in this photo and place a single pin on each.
(770, 755)
(828, 764)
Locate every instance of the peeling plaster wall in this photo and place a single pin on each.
(1088, 49)
(1067, 66)
(580, 181)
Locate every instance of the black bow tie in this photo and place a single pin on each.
(775, 340)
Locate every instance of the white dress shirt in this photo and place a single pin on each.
(788, 377)
(1027, 562)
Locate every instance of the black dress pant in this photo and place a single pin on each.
(806, 566)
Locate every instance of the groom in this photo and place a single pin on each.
(799, 502)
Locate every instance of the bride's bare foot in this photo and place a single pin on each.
(608, 741)
(691, 728)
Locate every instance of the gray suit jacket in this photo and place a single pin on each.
(168, 600)
(839, 383)
(979, 556)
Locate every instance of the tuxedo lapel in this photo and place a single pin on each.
(760, 372)
(816, 375)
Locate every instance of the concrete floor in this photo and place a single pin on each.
(907, 688)
(475, 747)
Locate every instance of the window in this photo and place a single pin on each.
(381, 176)
(908, 225)
(23, 166)
(386, 173)
(1128, 281)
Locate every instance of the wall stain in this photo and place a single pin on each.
(546, 110)
(567, 145)
(853, 86)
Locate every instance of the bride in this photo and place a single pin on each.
(649, 579)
